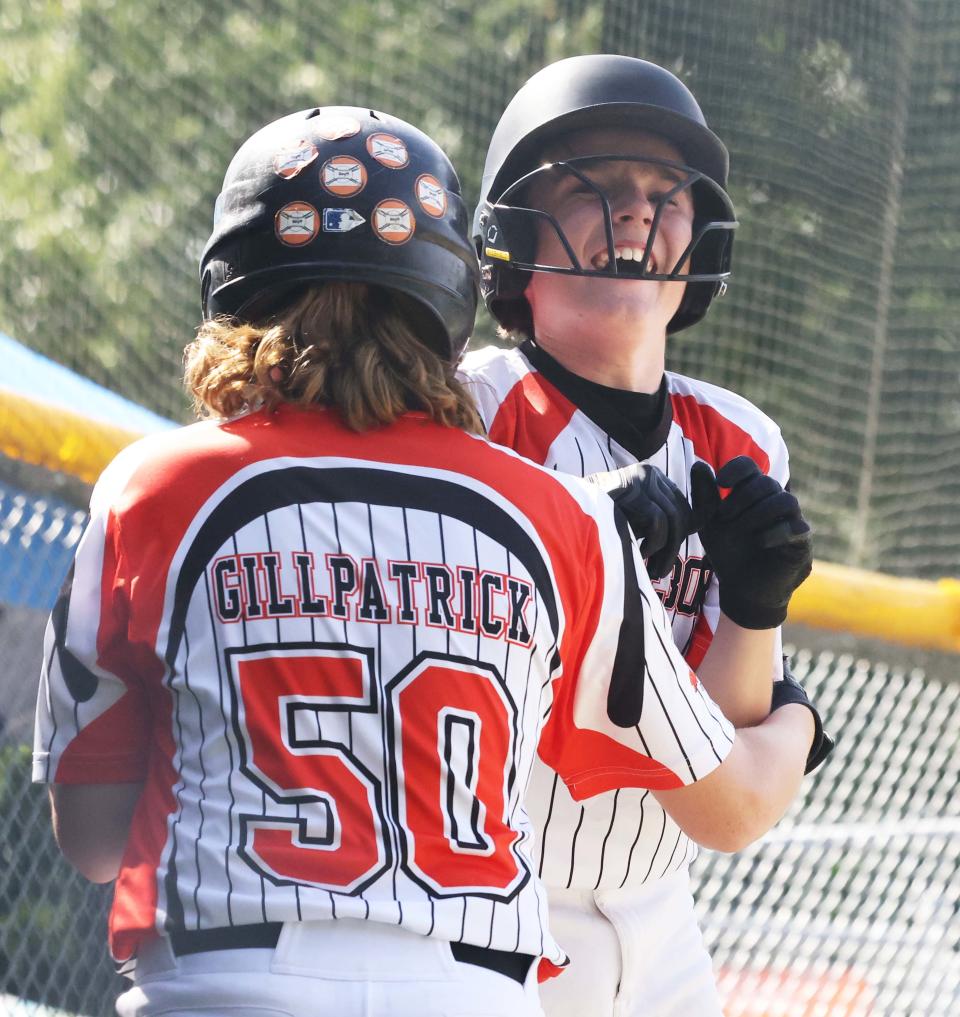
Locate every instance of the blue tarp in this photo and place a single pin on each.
(30, 374)
(38, 538)
(39, 534)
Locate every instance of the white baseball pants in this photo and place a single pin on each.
(341, 968)
(633, 953)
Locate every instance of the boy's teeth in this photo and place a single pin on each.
(622, 254)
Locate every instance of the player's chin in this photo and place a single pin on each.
(641, 296)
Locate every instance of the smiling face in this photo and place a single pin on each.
(567, 306)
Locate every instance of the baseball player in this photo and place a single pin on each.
(604, 228)
(309, 647)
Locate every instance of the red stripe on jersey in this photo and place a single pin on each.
(148, 702)
(109, 749)
(557, 748)
(700, 640)
(623, 768)
(531, 416)
(135, 894)
(716, 439)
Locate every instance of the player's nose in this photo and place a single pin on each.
(631, 203)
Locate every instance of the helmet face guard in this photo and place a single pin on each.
(342, 193)
(512, 226)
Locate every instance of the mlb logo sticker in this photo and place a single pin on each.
(431, 195)
(393, 222)
(296, 224)
(341, 220)
(388, 150)
(336, 126)
(343, 175)
(290, 161)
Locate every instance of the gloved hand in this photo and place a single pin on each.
(757, 540)
(789, 690)
(656, 510)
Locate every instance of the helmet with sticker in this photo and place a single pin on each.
(588, 92)
(349, 194)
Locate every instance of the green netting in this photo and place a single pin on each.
(843, 121)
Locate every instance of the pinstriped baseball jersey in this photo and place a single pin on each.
(527, 401)
(330, 658)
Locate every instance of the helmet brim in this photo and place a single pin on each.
(699, 146)
(448, 318)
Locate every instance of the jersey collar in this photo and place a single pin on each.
(597, 402)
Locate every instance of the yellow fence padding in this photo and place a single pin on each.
(913, 612)
(59, 439)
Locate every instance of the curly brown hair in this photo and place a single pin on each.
(348, 345)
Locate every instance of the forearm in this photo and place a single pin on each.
(753, 787)
(91, 823)
(738, 671)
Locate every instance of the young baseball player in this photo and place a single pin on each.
(294, 687)
(604, 228)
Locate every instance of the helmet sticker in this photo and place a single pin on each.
(388, 150)
(293, 159)
(296, 224)
(341, 220)
(343, 175)
(336, 126)
(431, 195)
(393, 222)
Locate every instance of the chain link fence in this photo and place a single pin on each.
(848, 908)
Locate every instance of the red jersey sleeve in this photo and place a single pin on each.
(92, 716)
(627, 711)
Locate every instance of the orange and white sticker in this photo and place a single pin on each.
(388, 150)
(393, 222)
(431, 195)
(296, 224)
(336, 126)
(293, 159)
(343, 175)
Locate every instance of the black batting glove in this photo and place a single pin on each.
(757, 540)
(791, 691)
(655, 508)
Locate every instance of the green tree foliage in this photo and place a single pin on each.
(118, 120)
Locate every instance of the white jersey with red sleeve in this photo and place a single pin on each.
(527, 403)
(330, 658)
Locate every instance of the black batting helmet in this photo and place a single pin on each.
(597, 91)
(342, 193)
